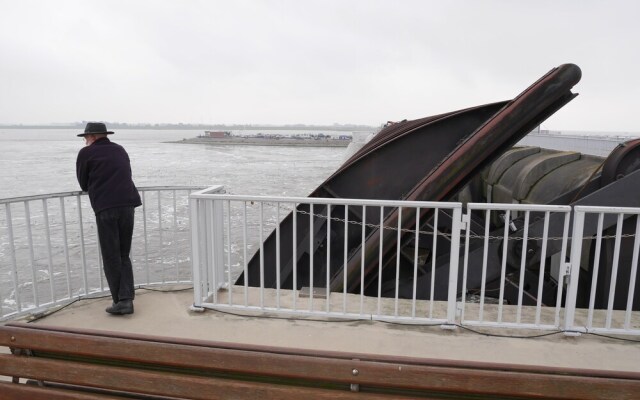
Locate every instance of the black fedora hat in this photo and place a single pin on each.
(95, 127)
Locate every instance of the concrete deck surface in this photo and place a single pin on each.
(167, 314)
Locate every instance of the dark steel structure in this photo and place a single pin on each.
(434, 159)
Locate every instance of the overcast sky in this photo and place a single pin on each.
(313, 62)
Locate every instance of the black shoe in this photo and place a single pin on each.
(121, 308)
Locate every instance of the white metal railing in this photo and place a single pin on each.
(503, 244)
(603, 315)
(49, 252)
(229, 226)
(519, 267)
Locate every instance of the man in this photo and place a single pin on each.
(104, 171)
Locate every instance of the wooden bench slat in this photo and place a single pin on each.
(21, 391)
(180, 356)
(403, 360)
(164, 383)
(324, 368)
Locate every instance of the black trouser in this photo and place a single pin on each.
(115, 229)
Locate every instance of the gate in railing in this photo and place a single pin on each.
(500, 265)
(608, 301)
(49, 253)
(514, 258)
(231, 226)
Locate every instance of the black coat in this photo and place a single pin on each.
(104, 171)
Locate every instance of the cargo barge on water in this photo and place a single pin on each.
(260, 139)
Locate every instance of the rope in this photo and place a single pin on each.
(448, 235)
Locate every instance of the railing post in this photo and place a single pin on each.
(65, 243)
(14, 264)
(175, 237)
(203, 225)
(146, 237)
(206, 239)
(83, 257)
(195, 251)
(47, 230)
(452, 294)
(217, 241)
(32, 258)
(574, 265)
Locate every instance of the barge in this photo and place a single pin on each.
(226, 138)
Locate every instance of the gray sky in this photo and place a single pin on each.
(313, 62)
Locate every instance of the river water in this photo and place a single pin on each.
(37, 161)
(40, 161)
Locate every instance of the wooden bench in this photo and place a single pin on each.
(84, 364)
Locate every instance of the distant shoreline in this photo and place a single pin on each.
(114, 126)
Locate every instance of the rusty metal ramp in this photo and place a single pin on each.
(427, 159)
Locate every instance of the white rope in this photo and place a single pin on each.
(472, 236)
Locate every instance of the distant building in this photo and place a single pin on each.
(217, 134)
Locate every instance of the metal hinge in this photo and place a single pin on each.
(566, 269)
(566, 272)
(464, 222)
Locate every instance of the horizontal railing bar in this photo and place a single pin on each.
(607, 210)
(601, 330)
(165, 283)
(610, 331)
(324, 313)
(520, 325)
(40, 196)
(517, 207)
(409, 320)
(332, 201)
(209, 190)
(79, 192)
(305, 312)
(156, 188)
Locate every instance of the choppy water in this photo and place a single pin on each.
(43, 161)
